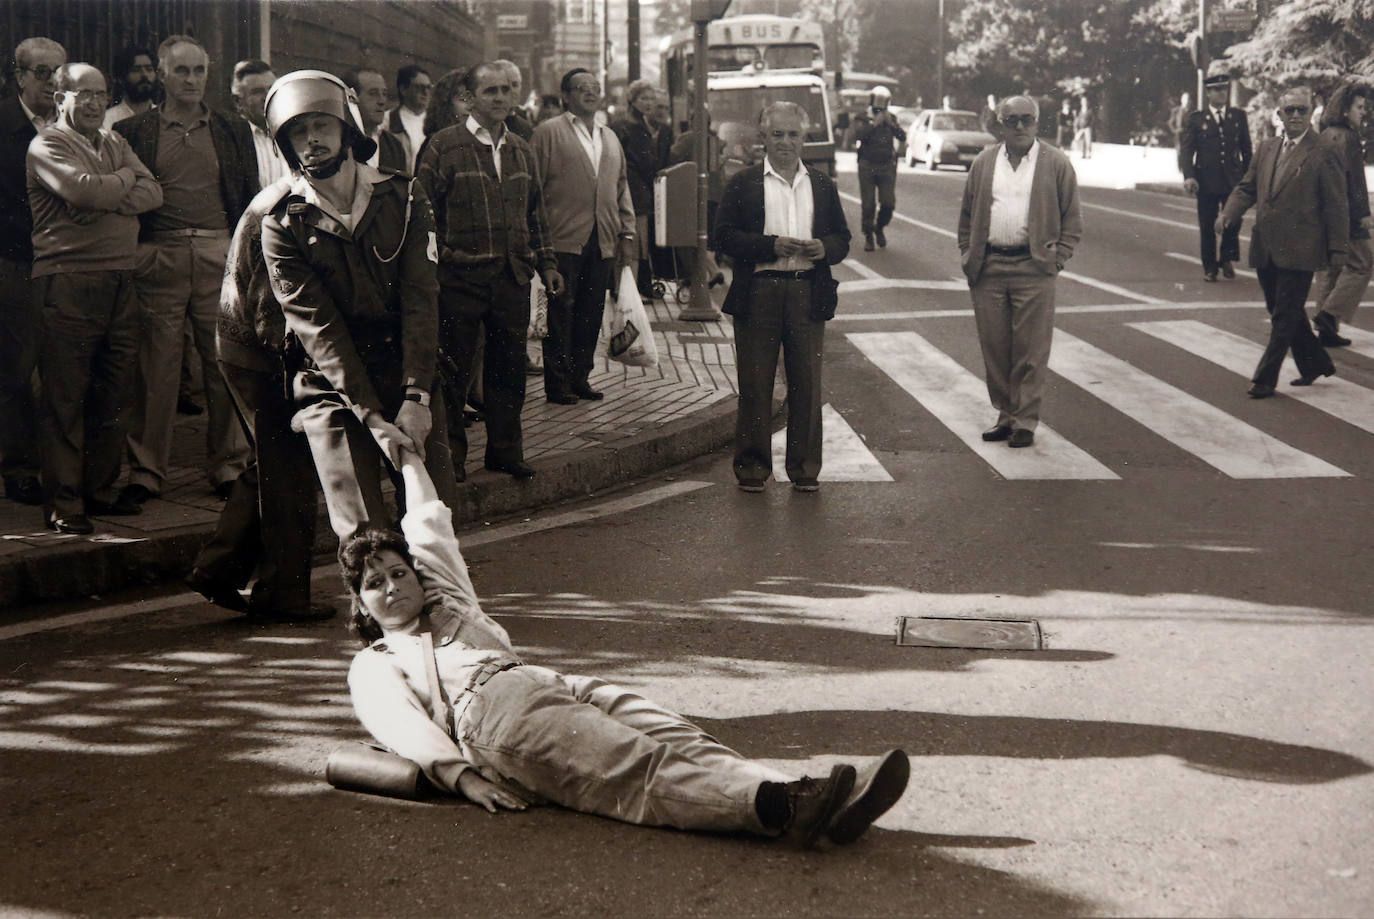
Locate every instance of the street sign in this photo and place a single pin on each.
(1231, 20)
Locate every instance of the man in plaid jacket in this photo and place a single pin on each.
(483, 183)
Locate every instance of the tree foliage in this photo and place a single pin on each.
(1313, 41)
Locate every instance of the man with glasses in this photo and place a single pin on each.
(591, 228)
(208, 169)
(407, 120)
(1018, 225)
(1302, 225)
(21, 118)
(137, 75)
(86, 187)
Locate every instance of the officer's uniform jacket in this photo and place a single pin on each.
(362, 299)
(1216, 155)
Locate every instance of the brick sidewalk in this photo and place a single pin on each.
(650, 419)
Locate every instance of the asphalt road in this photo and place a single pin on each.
(1192, 742)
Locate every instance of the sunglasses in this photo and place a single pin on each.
(1017, 121)
(1295, 110)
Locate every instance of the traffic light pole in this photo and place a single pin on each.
(700, 308)
(1201, 54)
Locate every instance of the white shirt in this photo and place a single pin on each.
(270, 164)
(788, 210)
(590, 140)
(484, 136)
(415, 132)
(38, 121)
(1219, 114)
(1011, 192)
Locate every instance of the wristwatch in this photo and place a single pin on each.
(417, 395)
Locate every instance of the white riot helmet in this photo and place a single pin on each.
(302, 92)
(880, 98)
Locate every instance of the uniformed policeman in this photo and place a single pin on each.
(1213, 154)
(352, 257)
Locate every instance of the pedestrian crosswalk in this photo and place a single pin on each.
(957, 397)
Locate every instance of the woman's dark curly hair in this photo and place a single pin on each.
(353, 555)
(1338, 108)
(439, 113)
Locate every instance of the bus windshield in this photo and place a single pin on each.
(742, 106)
(731, 57)
(795, 57)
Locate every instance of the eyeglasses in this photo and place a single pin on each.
(1295, 110)
(1017, 121)
(43, 72)
(593, 88)
(87, 96)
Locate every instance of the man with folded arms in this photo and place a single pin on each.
(85, 188)
(1018, 225)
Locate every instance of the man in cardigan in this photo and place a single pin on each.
(36, 61)
(1302, 225)
(1018, 225)
(85, 188)
(591, 224)
(487, 257)
(208, 168)
(783, 225)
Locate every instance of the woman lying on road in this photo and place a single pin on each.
(509, 734)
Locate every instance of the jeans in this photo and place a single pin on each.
(597, 748)
(779, 318)
(1013, 308)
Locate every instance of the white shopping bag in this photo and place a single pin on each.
(629, 339)
(539, 310)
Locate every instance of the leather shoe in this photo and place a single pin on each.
(880, 237)
(560, 398)
(868, 242)
(1000, 432)
(1306, 380)
(26, 490)
(77, 524)
(806, 485)
(753, 486)
(136, 494)
(1260, 391)
(1228, 271)
(220, 593)
(813, 803)
(224, 489)
(877, 787)
(119, 507)
(1209, 276)
(1021, 438)
(518, 469)
(583, 391)
(1328, 330)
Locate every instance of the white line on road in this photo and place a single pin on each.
(1152, 218)
(847, 457)
(1240, 450)
(1341, 398)
(1244, 272)
(1071, 276)
(1361, 342)
(329, 572)
(860, 268)
(960, 401)
(877, 283)
(1059, 310)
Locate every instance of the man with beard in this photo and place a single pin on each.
(351, 255)
(137, 72)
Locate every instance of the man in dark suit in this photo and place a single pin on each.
(1213, 153)
(207, 165)
(1302, 224)
(36, 60)
(783, 225)
(369, 90)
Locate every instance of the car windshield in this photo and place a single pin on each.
(742, 107)
(955, 121)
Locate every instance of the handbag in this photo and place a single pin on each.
(629, 338)
(375, 770)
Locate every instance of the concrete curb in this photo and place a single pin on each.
(1164, 188)
(82, 568)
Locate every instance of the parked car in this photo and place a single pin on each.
(944, 137)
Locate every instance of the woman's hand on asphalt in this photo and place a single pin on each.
(488, 794)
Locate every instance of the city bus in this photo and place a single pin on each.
(755, 42)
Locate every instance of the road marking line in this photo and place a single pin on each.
(1337, 397)
(847, 458)
(1361, 342)
(1071, 276)
(1097, 308)
(1152, 218)
(1240, 450)
(880, 283)
(329, 572)
(960, 401)
(860, 268)
(1197, 261)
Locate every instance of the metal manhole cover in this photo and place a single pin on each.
(991, 634)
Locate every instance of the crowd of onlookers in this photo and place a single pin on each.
(136, 255)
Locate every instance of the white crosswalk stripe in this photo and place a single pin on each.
(846, 456)
(1332, 395)
(1238, 449)
(959, 399)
